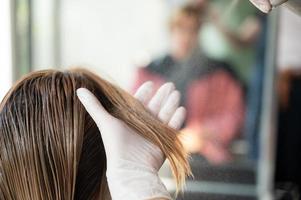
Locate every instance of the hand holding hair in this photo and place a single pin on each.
(132, 161)
(74, 153)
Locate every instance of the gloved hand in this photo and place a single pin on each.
(132, 161)
(267, 5)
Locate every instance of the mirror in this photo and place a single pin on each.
(213, 51)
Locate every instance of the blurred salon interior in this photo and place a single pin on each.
(238, 70)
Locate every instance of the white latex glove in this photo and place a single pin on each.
(132, 161)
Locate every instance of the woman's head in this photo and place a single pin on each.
(185, 23)
(50, 148)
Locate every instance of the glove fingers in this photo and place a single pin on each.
(160, 97)
(144, 92)
(93, 107)
(170, 106)
(178, 118)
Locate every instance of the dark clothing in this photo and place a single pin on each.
(185, 72)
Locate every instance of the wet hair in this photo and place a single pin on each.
(50, 148)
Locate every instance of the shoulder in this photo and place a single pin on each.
(160, 65)
(222, 68)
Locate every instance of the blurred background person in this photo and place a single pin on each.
(212, 92)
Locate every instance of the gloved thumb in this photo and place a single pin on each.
(98, 113)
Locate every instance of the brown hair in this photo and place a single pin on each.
(188, 10)
(50, 148)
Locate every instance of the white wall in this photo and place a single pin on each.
(289, 49)
(43, 34)
(113, 37)
(5, 48)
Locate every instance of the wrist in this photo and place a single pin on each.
(135, 181)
